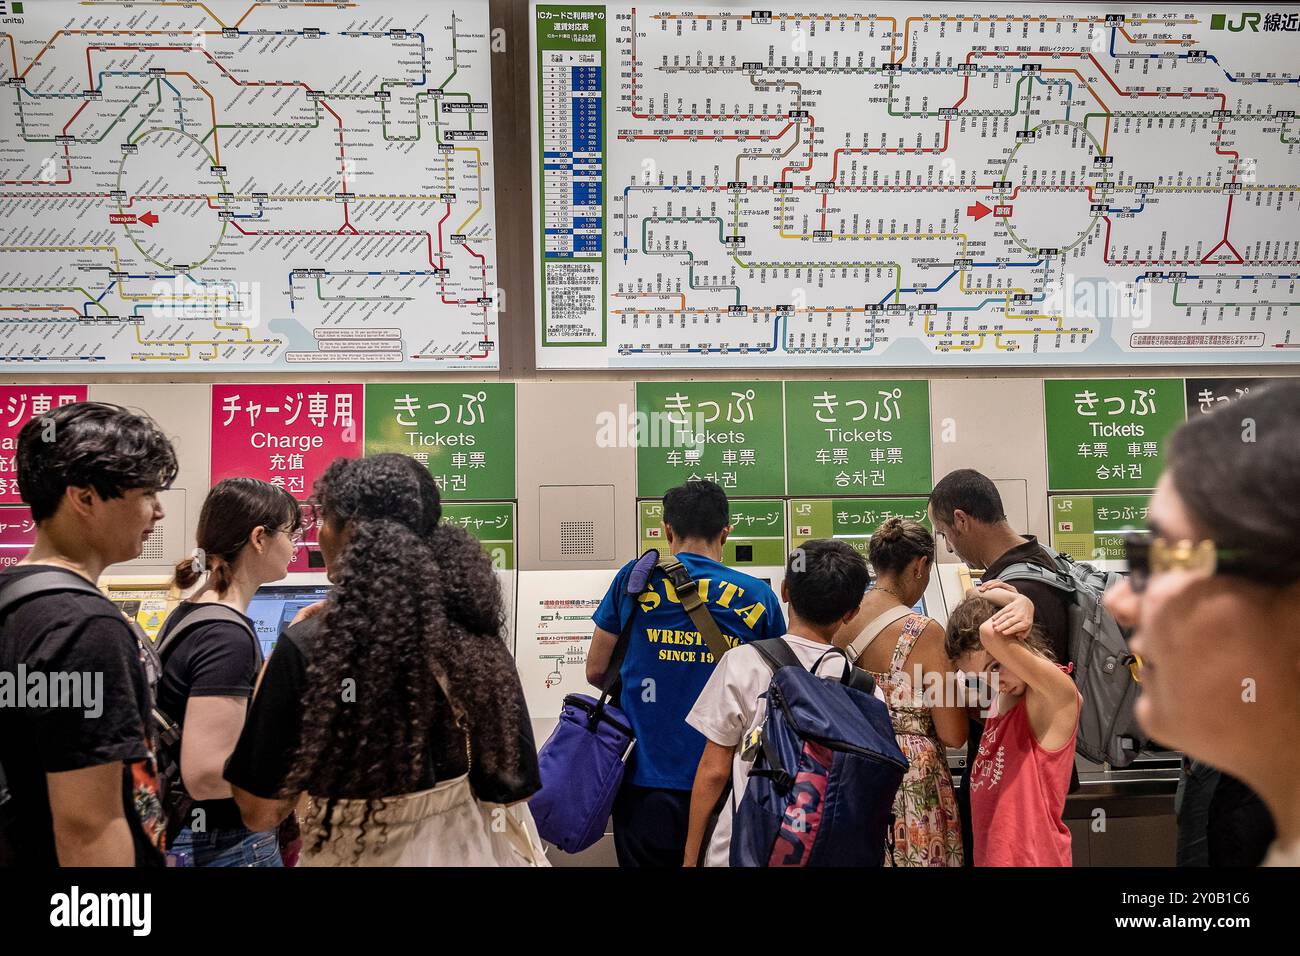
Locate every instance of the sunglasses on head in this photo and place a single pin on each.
(1147, 555)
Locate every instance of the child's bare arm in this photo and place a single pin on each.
(1039, 673)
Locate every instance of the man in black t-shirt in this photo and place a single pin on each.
(966, 511)
(80, 760)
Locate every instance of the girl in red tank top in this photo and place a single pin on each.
(1021, 774)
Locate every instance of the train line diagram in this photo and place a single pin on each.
(887, 184)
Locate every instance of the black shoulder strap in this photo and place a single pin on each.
(776, 652)
(207, 614)
(44, 582)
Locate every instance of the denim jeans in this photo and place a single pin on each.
(234, 847)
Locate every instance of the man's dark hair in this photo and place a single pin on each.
(90, 445)
(969, 491)
(826, 580)
(697, 509)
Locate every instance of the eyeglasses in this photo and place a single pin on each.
(1148, 555)
(296, 535)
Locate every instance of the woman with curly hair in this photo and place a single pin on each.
(396, 707)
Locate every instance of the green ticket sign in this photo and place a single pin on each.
(757, 532)
(869, 438)
(1092, 528)
(465, 434)
(853, 520)
(725, 432)
(1109, 434)
(493, 525)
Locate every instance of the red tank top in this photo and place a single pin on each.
(1017, 795)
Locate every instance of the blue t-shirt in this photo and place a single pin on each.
(668, 662)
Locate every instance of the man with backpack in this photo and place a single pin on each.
(76, 739)
(667, 661)
(825, 756)
(966, 509)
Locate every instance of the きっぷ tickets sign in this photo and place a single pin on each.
(1109, 434)
(868, 438)
(729, 433)
(18, 405)
(284, 434)
(464, 434)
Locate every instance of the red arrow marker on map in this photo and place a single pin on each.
(149, 218)
(978, 211)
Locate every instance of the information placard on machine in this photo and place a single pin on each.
(1092, 527)
(757, 535)
(552, 635)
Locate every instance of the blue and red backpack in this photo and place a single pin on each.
(826, 769)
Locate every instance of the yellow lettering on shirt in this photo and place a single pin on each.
(751, 614)
(729, 591)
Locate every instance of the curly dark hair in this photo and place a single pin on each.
(414, 600)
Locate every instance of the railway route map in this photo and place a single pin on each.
(232, 185)
(904, 185)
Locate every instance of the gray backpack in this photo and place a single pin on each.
(1108, 730)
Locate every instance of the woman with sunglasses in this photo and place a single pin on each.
(1214, 597)
(248, 532)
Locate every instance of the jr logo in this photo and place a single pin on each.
(1219, 21)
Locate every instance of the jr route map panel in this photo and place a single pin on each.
(250, 186)
(900, 184)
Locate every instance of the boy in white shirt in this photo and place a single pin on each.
(824, 583)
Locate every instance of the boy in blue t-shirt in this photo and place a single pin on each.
(667, 665)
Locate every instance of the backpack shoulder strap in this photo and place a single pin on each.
(680, 578)
(776, 652)
(207, 614)
(858, 646)
(44, 582)
(1024, 571)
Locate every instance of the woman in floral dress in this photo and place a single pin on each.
(904, 652)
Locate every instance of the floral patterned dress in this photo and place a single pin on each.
(927, 826)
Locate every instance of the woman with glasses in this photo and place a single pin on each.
(1214, 597)
(248, 532)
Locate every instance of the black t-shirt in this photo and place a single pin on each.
(74, 640)
(265, 753)
(218, 659)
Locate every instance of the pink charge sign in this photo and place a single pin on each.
(284, 434)
(18, 405)
(17, 534)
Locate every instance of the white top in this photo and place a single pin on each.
(729, 708)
